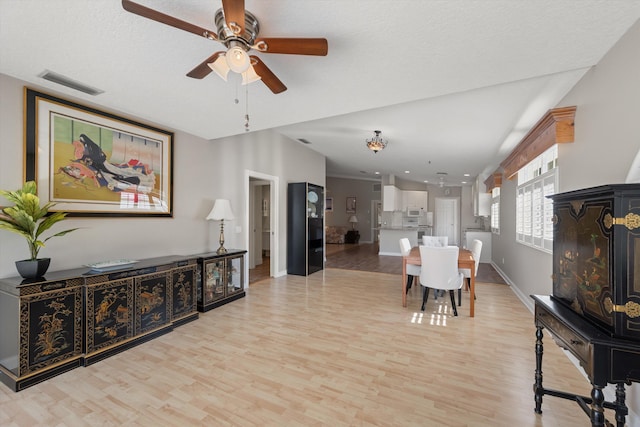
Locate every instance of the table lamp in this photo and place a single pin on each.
(353, 220)
(221, 211)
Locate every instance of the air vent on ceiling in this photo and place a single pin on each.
(377, 188)
(304, 141)
(66, 81)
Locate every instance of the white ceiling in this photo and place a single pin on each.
(455, 83)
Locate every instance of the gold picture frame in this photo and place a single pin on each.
(93, 163)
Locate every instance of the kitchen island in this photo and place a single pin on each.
(390, 238)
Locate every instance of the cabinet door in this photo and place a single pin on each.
(234, 274)
(389, 201)
(152, 301)
(183, 292)
(50, 328)
(213, 281)
(109, 312)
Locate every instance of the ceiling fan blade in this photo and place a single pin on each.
(203, 70)
(154, 15)
(267, 76)
(234, 15)
(292, 46)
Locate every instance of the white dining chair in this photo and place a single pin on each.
(412, 269)
(439, 241)
(440, 271)
(476, 251)
(436, 241)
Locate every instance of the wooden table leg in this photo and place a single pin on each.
(597, 408)
(404, 281)
(538, 391)
(472, 296)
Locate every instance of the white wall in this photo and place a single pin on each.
(607, 138)
(203, 171)
(265, 152)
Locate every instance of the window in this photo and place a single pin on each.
(534, 210)
(495, 210)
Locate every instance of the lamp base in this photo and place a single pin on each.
(221, 250)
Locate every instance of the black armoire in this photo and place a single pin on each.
(305, 228)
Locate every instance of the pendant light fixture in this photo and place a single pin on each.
(376, 143)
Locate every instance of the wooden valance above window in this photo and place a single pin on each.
(494, 181)
(555, 127)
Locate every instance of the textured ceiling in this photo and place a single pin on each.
(453, 84)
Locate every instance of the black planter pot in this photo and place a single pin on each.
(33, 268)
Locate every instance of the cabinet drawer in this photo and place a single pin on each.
(567, 338)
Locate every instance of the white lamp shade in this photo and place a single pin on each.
(237, 59)
(221, 210)
(220, 67)
(250, 76)
(353, 219)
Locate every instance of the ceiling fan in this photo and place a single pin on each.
(237, 29)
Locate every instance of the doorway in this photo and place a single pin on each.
(376, 220)
(447, 212)
(262, 226)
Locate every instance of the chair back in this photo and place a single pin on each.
(440, 267)
(476, 250)
(438, 241)
(405, 246)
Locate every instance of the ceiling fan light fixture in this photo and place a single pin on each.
(237, 59)
(376, 143)
(220, 67)
(250, 76)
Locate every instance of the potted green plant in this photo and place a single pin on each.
(30, 220)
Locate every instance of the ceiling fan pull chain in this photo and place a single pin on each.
(236, 100)
(246, 116)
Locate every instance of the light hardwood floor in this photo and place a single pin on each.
(333, 349)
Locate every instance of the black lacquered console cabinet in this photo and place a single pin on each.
(77, 317)
(605, 359)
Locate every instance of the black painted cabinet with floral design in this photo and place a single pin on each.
(596, 256)
(42, 328)
(77, 317)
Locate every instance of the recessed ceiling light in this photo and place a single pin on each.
(463, 182)
(425, 180)
(466, 174)
(407, 172)
(377, 173)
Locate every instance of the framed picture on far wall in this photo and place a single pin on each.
(329, 204)
(351, 205)
(93, 163)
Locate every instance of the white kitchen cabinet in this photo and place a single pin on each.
(481, 199)
(483, 205)
(391, 198)
(415, 199)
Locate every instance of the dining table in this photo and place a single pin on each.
(465, 260)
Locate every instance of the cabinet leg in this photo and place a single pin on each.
(537, 386)
(621, 408)
(597, 410)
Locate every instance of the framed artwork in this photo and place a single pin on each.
(351, 205)
(93, 163)
(329, 204)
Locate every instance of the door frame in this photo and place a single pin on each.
(456, 217)
(375, 226)
(274, 184)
